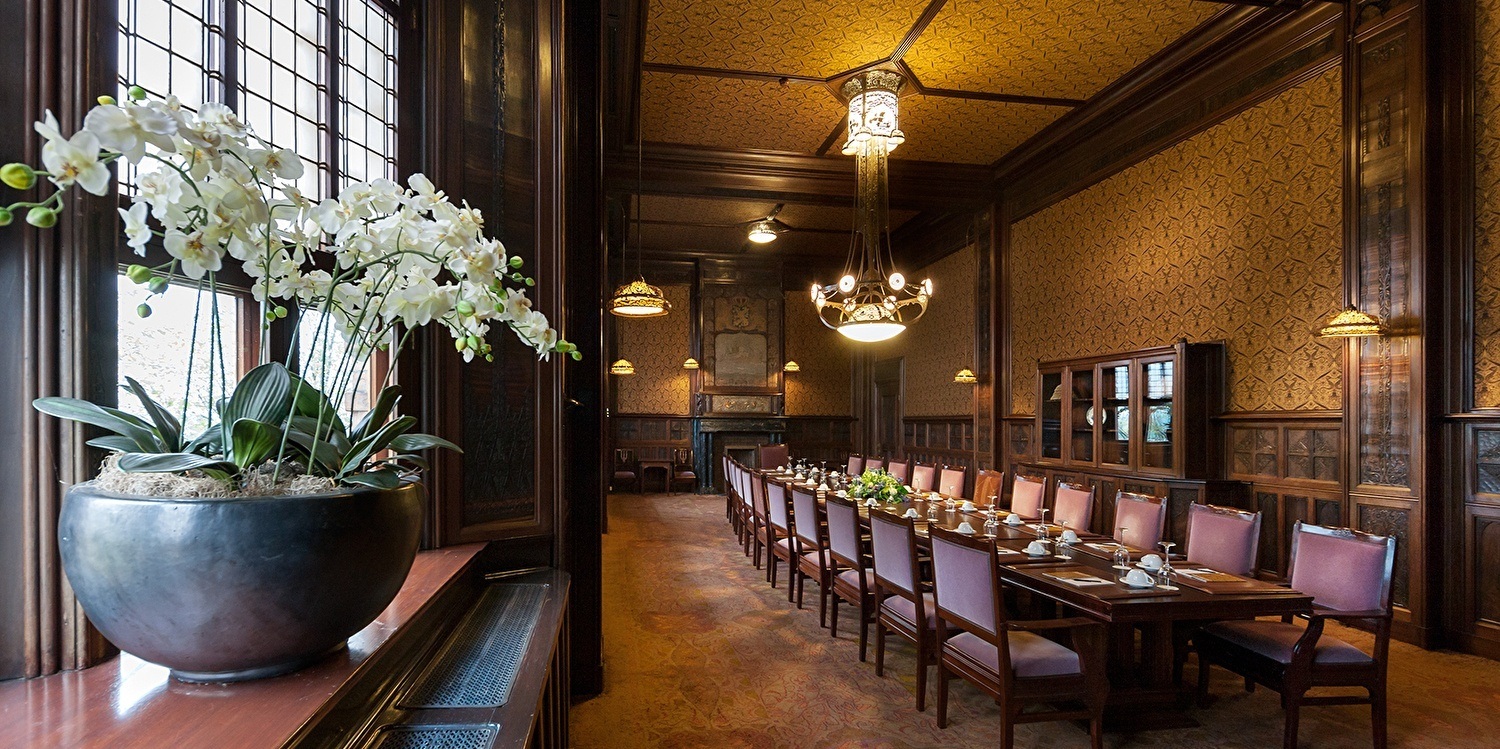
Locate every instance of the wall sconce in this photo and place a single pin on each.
(691, 363)
(1352, 323)
(791, 366)
(622, 367)
(966, 376)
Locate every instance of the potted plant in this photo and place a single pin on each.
(878, 485)
(261, 543)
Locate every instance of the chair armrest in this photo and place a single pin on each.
(1035, 625)
(1339, 614)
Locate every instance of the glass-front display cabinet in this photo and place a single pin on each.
(1146, 411)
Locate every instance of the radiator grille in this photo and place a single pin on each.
(478, 665)
(435, 737)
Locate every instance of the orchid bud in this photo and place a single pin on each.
(474, 342)
(143, 310)
(42, 218)
(489, 357)
(464, 307)
(577, 355)
(459, 344)
(138, 274)
(280, 312)
(515, 262)
(157, 285)
(18, 176)
(530, 281)
(136, 92)
(6, 217)
(105, 100)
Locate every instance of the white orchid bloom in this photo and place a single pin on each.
(137, 232)
(129, 129)
(73, 160)
(281, 162)
(197, 251)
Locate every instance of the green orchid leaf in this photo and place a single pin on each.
(376, 442)
(310, 402)
(385, 478)
(264, 395)
(173, 463)
(119, 422)
(211, 442)
(251, 442)
(321, 454)
(168, 428)
(114, 442)
(378, 413)
(410, 443)
(336, 437)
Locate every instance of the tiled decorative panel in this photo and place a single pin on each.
(1254, 451)
(942, 342)
(1391, 521)
(824, 384)
(1233, 234)
(1312, 454)
(657, 346)
(1487, 460)
(1487, 204)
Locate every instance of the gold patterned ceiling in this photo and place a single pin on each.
(986, 74)
(720, 226)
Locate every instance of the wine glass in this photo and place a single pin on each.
(1122, 552)
(1041, 528)
(992, 517)
(932, 510)
(1164, 575)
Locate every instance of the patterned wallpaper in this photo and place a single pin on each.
(942, 342)
(1234, 234)
(824, 386)
(1487, 205)
(657, 347)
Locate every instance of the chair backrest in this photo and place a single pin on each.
(923, 478)
(893, 541)
(874, 464)
(898, 469)
(683, 457)
(757, 495)
(963, 581)
(951, 482)
(843, 532)
(1073, 506)
(1026, 494)
(855, 466)
(1143, 518)
(776, 507)
(987, 484)
(747, 483)
(807, 523)
(772, 456)
(1341, 568)
(1223, 538)
(624, 457)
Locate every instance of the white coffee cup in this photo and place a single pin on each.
(969, 506)
(1139, 578)
(911, 513)
(1036, 548)
(1069, 536)
(1014, 519)
(965, 528)
(1151, 561)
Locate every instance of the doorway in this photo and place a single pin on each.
(890, 377)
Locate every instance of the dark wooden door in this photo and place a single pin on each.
(889, 377)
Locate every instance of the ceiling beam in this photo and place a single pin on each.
(689, 171)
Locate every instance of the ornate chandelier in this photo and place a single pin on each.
(638, 298)
(872, 300)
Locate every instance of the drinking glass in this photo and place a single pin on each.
(1041, 528)
(932, 509)
(1122, 553)
(1164, 575)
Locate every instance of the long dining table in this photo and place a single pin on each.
(1144, 692)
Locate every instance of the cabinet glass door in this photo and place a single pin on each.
(1157, 419)
(1081, 417)
(1051, 411)
(1114, 414)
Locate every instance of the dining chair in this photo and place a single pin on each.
(1224, 538)
(855, 466)
(905, 605)
(951, 481)
(811, 549)
(1073, 506)
(1009, 660)
(1026, 493)
(898, 469)
(1348, 575)
(683, 469)
(761, 536)
(851, 576)
(874, 464)
(771, 456)
(988, 484)
(1140, 520)
(744, 504)
(729, 508)
(627, 470)
(779, 535)
(923, 477)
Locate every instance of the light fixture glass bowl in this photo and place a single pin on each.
(763, 232)
(871, 332)
(1352, 323)
(622, 367)
(639, 299)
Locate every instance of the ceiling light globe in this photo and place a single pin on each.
(846, 284)
(898, 281)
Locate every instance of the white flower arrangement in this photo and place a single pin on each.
(877, 485)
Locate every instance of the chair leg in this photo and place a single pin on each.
(771, 563)
(1202, 680)
(922, 657)
(942, 690)
(1293, 709)
(1249, 684)
(864, 633)
(833, 618)
(794, 582)
(879, 647)
(823, 601)
(1007, 731)
(1096, 732)
(1377, 717)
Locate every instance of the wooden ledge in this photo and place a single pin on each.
(128, 702)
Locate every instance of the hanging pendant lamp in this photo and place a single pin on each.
(872, 300)
(638, 298)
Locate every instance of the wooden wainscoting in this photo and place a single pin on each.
(820, 438)
(941, 440)
(1472, 600)
(653, 437)
(1291, 459)
(1018, 440)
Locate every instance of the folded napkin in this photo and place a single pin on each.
(1078, 577)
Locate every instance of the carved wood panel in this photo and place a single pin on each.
(1392, 521)
(1484, 566)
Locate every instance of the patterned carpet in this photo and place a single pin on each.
(701, 652)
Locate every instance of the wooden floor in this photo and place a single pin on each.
(700, 652)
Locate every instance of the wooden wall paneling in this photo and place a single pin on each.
(1472, 602)
(985, 424)
(1385, 395)
(820, 438)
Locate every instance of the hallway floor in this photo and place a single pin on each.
(701, 652)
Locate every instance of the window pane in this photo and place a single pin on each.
(284, 86)
(155, 350)
(367, 92)
(326, 361)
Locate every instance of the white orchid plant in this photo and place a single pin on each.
(879, 485)
(378, 260)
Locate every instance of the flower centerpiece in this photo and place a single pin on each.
(283, 475)
(878, 485)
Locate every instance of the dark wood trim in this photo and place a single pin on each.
(1045, 101)
(919, 26)
(1258, 416)
(752, 75)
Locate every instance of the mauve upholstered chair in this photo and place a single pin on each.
(1073, 506)
(762, 537)
(987, 487)
(852, 577)
(779, 514)
(684, 471)
(874, 464)
(1348, 575)
(1223, 538)
(1026, 494)
(905, 606)
(855, 466)
(1006, 659)
(812, 548)
(771, 456)
(627, 471)
(730, 511)
(951, 481)
(1140, 520)
(898, 469)
(923, 477)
